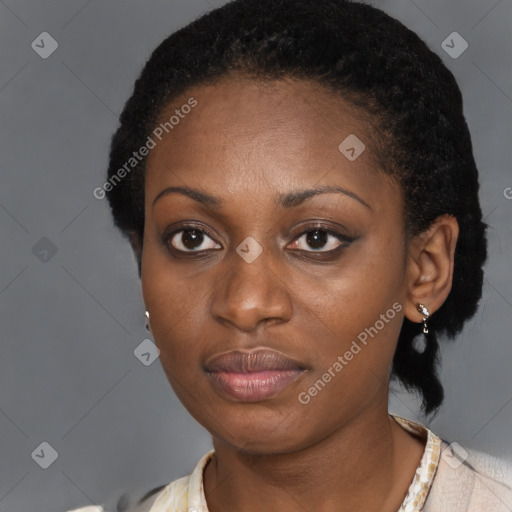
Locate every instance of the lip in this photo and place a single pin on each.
(252, 376)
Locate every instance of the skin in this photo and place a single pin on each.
(245, 143)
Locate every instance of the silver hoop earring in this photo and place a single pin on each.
(148, 328)
(425, 312)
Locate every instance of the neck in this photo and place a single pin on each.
(367, 465)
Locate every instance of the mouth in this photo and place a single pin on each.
(252, 376)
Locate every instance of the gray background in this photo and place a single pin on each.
(69, 325)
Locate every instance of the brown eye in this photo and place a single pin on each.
(191, 240)
(319, 240)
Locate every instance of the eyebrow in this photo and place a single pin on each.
(288, 200)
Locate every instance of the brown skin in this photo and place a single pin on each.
(245, 143)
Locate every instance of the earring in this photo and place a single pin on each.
(424, 311)
(148, 328)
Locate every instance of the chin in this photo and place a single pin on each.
(261, 433)
(262, 446)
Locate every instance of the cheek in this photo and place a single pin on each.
(351, 295)
(175, 309)
(354, 313)
(351, 363)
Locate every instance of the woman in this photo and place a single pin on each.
(297, 182)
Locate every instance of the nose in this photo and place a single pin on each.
(251, 293)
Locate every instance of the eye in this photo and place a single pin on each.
(191, 239)
(320, 240)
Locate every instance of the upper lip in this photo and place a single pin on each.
(250, 361)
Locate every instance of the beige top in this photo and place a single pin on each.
(448, 478)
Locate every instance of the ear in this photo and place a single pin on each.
(136, 244)
(430, 266)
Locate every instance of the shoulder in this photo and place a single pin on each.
(173, 496)
(185, 494)
(182, 494)
(470, 481)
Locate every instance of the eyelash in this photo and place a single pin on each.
(345, 240)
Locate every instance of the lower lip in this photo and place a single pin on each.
(255, 386)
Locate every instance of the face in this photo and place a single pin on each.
(276, 311)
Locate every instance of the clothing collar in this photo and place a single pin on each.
(413, 501)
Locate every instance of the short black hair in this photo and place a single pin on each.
(370, 59)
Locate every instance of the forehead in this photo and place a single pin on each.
(272, 135)
(245, 112)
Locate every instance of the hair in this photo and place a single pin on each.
(375, 63)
